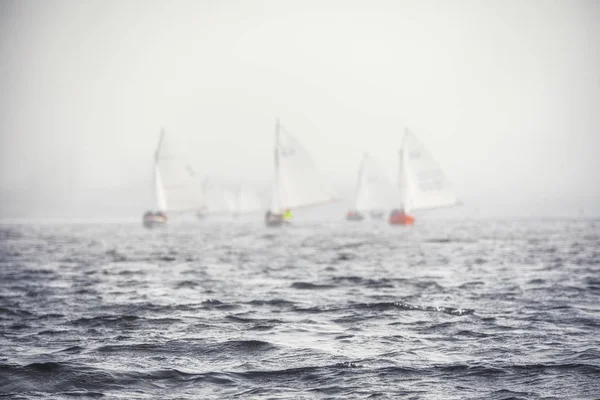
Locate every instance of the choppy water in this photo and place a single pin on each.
(442, 310)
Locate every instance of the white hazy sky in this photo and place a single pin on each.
(504, 94)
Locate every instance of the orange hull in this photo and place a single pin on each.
(402, 219)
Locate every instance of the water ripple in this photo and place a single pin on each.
(452, 310)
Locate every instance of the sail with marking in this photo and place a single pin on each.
(297, 182)
(374, 191)
(174, 179)
(421, 181)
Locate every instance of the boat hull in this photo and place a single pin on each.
(151, 223)
(275, 223)
(401, 219)
(354, 216)
(152, 220)
(274, 220)
(377, 215)
(201, 216)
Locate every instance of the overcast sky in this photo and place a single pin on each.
(504, 94)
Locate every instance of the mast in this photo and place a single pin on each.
(239, 200)
(158, 189)
(403, 175)
(361, 187)
(276, 199)
(204, 191)
(205, 187)
(160, 139)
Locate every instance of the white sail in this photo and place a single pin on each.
(161, 201)
(247, 201)
(421, 181)
(174, 180)
(374, 191)
(298, 181)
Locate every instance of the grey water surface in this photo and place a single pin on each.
(503, 309)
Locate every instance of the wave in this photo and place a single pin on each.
(449, 240)
(369, 282)
(55, 378)
(234, 348)
(244, 320)
(246, 346)
(310, 286)
(63, 377)
(471, 285)
(385, 306)
(120, 321)
(345, 257)
(296, 372)
(462, 369)
(106, 320)
(506, 394)
(187, 284)
(15, 311)
(212, 303)
(272, 302)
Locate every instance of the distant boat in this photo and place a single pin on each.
(377, 214)
(202, 212)
(421, 182)
(174, 187)
(374, 192)
(222, 201)
(246, 201)
(297, 181)
(219, 200)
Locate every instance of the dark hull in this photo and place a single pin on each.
(355, 217)
(152, 223)
(377, 215)
(154, 220)
(276, 222)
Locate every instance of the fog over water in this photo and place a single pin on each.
(504, 94)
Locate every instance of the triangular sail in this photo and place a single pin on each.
(174, 179)
(362, 189)
(421, 181)
(298, 181)
(375, 191)
(159, 193)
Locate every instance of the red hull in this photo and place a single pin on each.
(402, 219)
(354, 216)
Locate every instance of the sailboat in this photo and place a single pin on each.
(421, 181)
(374, 191)
(174, 187)
(297, 181)
(202, 212)
(223, 201)
(219, 200)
